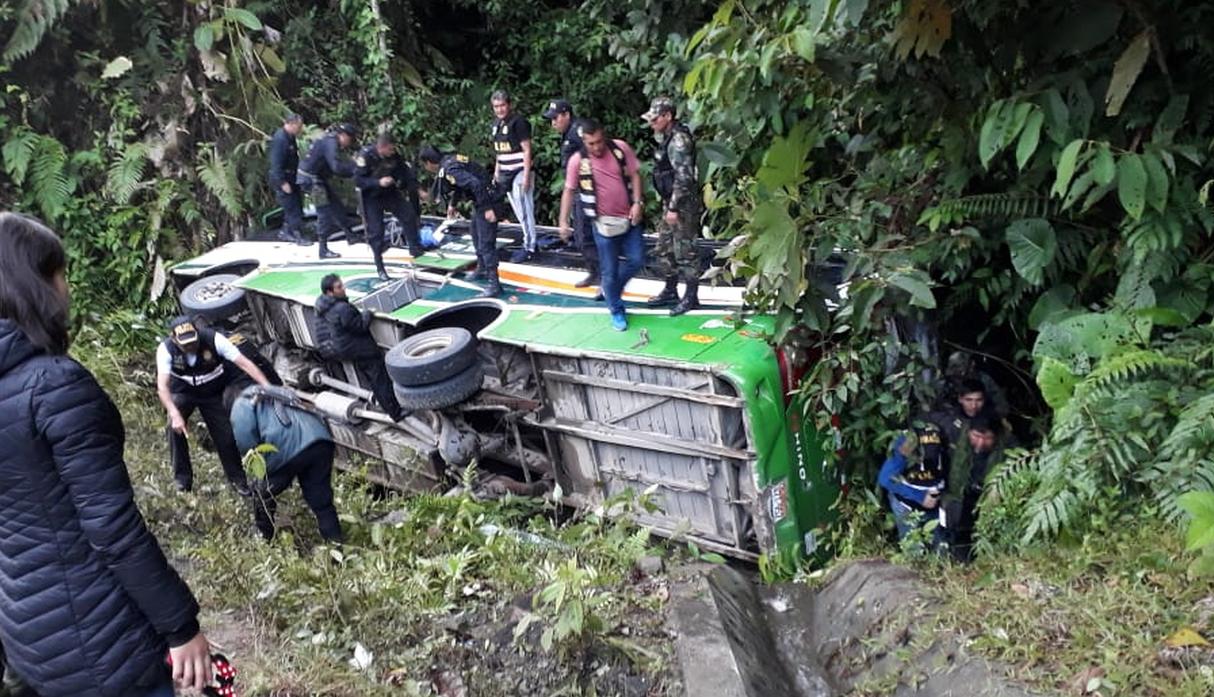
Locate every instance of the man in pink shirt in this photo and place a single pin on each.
(605, 180)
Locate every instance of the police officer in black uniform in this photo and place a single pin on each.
(458, 178)
(284, 165)
(190, 374)
(322, 164)
(560, 114)
(384, 178)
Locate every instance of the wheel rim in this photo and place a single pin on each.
(430, 346)
(216, 290)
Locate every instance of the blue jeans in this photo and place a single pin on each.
(630, 245)
(907, 518)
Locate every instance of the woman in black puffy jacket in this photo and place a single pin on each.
(89, 606)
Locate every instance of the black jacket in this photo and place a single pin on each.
(88, 602)
(324, 160)
(284, 159)
(460, 178)
(342, 331)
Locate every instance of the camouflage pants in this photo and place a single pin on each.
(676, 255)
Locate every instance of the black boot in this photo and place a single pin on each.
(494, 288)
(592, 279)
(324, 249)
(691, 299)
(379, 267)
(668, 296)
(291, 236)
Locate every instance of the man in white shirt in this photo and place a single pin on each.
(190, 375)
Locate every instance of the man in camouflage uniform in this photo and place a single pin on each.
(674, 178)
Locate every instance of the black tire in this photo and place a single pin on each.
(213, 297)
(438, 395)
(431, 356)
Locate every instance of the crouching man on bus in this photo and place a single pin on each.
(302, 450)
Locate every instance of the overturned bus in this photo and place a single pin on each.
(539, 391)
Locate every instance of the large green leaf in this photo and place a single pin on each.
(1132, 184)
(1057, 116)
(719, 153)
(1056, 381)
(1170, 119)
(1077, 341)
(915, 283)
(243, 16)
(1200, 507)
(204, 37)
(1033, 247)
(1066, 167)
(776, 249)
(116, 68)
(990, 136)
(1104, 167)
(1052, 305)
(1125, 72)
(1029, 138)
(1157, 182)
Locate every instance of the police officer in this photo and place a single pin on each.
(284, 163)
(560, 114)
(674, 178)
(457, 178)
(343, 333)
(380, 175)
(303, 451)
(915, 477)
(511, 140)
(322, 164)
(190, 375)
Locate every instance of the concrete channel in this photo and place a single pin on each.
(860, 631)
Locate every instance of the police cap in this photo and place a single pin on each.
(557, 106)
(183, 332)
(347, 128)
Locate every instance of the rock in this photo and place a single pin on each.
(400, 515)
(651, 565)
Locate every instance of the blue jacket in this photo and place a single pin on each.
(910, 482)
(258, 417)
(88, 602)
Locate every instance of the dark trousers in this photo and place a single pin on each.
(631, 246)
(331, 213)
(583, 238)
(292, 209)
(372, 370)
(374, 208)
(484, 236)
(219, 426)
(313, 467)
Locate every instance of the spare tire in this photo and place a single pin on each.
(446, 393)
(431, 356)
(213, 297)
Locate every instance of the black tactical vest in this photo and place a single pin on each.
(207, 373)
(663, 170)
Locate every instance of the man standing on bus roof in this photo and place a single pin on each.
(512, 170)
(284, 164)
(388, 185)
(323, 163)
(675, 178)
(560, 114)
(456, 178)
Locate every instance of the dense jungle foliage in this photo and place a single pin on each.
(1025, 180)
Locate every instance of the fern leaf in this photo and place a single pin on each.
(220, 180)
(1134, 365)
(18, 152)
(48, 178)
(34, 19)
(126, 173)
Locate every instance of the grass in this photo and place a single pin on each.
(431, 597)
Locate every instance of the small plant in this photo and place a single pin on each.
(255, 460)
(568, 607)
(1200, 538)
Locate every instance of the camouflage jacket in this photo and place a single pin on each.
(674, 171)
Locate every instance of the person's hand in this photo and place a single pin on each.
(491, 216)
(671, 218)
(565, 231)
(386, 182)
(423, 195)
(635, 213)
(177, 423)
(286, 188)
(451, 212)
(931, 500)
(192, 663)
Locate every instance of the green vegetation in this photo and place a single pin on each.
(1032, 179)
(430, 590)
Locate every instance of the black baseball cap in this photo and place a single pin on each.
(183, 332)
(557, 106)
